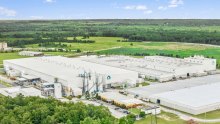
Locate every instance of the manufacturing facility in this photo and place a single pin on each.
(146, 91)
(195, 100)
(73, 74)
(30, 53)
(194, 95)
(120, 100)
(159, 67)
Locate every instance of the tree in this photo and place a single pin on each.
(35, 110)
(78, 51)
(129, 119)
(90, 121)
(142, 114)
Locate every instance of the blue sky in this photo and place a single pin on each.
(109, 9)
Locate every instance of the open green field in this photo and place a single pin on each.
(110, 45)
(14, 55)
(135, 111)
(5, 56)
(163, 118)
(101, 43)
(210, 115)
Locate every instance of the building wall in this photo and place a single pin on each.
(29, 53)
(130, 78)
(207, 64)
(185, 108)
(24, 70)
(76, 81)
(3, 46)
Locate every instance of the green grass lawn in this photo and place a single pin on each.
(5, 56)
(5, 84)
(14, 55)
(135, 111)
(163, 118)
(103, 45)
(143, 84)
(210, 115)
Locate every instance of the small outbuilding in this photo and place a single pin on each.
(120, 100)
(30, 53)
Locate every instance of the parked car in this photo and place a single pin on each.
(117, 108)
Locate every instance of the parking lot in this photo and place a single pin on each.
(116, 111)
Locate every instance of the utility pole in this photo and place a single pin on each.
(155, 115)
(151, 118)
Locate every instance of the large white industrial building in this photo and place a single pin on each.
(158, 88)
(159, 67)
(194, 100)
(73, 73)
(194, 95)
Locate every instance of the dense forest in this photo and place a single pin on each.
(195, 31)
(35, 110)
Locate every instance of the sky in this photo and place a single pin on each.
(109, 9)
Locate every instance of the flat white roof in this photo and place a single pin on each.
(30, 52)
(147, 91)
(14, 91)
(194, 97)
(114, 96)
(29, 77)
(66, 64)
(155, 66)
(67, 69)
(30, 91)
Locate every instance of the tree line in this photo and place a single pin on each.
(193, 31)
(35, 110)
(48, 41)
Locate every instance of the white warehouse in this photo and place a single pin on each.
(159, 67)
(194, 100)
(72, 73)
(30, 53)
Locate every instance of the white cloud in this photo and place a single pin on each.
(138, 7)
(7, 12)
(142, 8)
(175, 3)
(148, 12)
(162, 8)
(172, 4)
(50, 1)
(129, 7)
